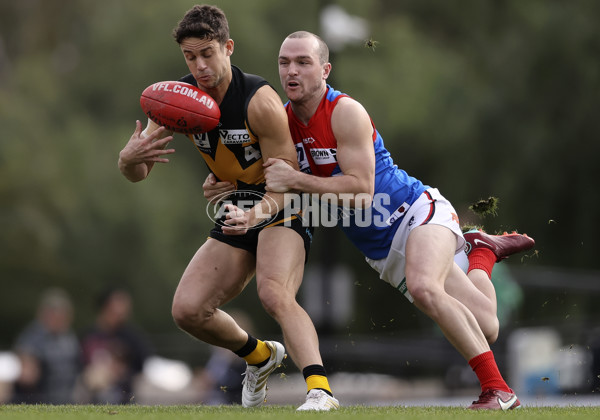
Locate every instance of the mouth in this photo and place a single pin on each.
(293, 84)
(203, 78)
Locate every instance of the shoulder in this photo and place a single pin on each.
(349, 111)
(265, 112)
(266, 98)
(248, 82)
(249, 78)
(350, 123)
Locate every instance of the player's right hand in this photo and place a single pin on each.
(278, 175)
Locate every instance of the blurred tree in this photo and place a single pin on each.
(476, 98)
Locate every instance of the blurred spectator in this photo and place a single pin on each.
(49, 353)
(113, 352)
(221, 378)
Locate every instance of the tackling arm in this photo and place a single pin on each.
(355, 155)
(267, 117)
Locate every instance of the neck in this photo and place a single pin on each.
(218, 92)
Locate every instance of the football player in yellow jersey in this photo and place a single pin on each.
(237, 249)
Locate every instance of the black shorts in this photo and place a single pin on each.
(249, 241)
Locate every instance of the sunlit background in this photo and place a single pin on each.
(476, 98)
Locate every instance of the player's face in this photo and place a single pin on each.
(301, 74)
(208, 61)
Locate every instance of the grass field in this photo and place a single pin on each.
(96, 412)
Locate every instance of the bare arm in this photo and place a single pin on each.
(143, 150)
(268, 120)
(267, 117)
(355, 154)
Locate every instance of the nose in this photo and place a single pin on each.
(292, 69)
(200, 64)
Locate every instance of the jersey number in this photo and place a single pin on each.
(303, 164)
(250, 153)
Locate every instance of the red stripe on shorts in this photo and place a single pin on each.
(431, 209)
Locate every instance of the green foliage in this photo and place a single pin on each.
(476, 98)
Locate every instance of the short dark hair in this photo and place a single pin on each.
(203, 21)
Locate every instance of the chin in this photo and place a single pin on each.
(293, 95)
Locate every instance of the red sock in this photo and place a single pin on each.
(482, 258)
(487, 372)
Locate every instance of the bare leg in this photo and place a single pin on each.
(484, 284)
(429, 262)
(484, 251)
(477, 293)
(216, 274)
(279, 271)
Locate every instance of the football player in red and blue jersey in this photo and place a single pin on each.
(412, 234)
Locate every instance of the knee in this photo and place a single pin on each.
(189, 315)
(422, 294)
(490, 324)
(425, 297)
(492, 332)
(275, 299)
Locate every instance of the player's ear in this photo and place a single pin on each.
(229, 47)
(326, 70)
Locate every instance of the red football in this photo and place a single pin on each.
(180, 107)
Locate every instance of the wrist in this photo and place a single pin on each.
(123, 159)
(253, 217)
(295, 181)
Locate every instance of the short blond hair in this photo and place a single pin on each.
(323, 49)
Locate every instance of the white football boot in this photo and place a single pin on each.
(319, 400)
(254, 391)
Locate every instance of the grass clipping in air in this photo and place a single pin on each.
(486, 207)
(482, 208)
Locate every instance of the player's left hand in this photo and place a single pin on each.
(149, 148)
(215, 191)
(278, 175)
(236, 222)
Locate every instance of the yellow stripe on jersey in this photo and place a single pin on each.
(227, 165)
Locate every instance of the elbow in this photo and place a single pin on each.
(366, 193)
(133, 180)
(135, 176)
(363, 197)
(133, 173)
(362, 200)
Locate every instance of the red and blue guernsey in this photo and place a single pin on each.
(371, 230)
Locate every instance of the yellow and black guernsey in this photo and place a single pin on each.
(232, 153)
(231, 150)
